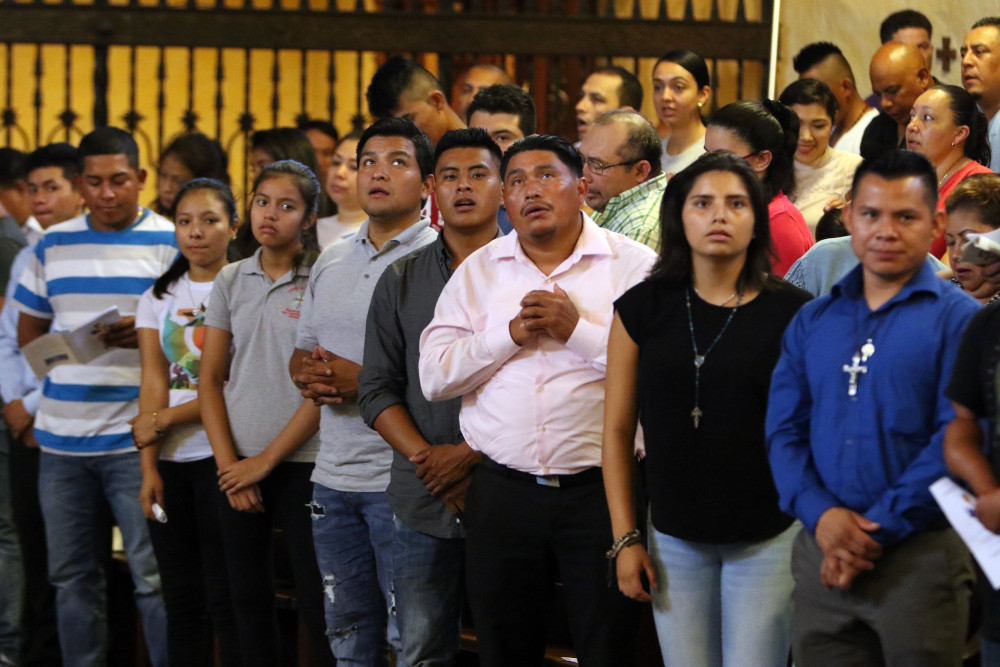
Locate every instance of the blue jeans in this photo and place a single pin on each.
(352, 532)
(11, 564)
(428, 576)
(71, 488)
(723, 604)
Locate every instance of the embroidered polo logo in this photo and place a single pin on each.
(298, 293)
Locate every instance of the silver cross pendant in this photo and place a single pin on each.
(854, 370)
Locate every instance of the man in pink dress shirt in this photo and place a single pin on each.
(521, 332)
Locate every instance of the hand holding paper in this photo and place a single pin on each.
(960, 508)
(79, 346)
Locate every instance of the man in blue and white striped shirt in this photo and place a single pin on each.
(80, 268)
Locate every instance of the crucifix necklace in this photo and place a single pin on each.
(861, 355)
(854, 369)
(699, 358)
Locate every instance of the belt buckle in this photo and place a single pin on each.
(548, 480)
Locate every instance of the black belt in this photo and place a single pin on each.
(588, 476)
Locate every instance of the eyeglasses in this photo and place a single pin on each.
(597, 167)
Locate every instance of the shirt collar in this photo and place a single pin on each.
(404, 237)
(657, 183)
(252, 266)
(592, 241)
(923, 281)
(440, 249)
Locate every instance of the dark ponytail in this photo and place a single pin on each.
(782, 169)
(765, 126)
(180, 266)
(965, 111)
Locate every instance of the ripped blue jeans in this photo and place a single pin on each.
(352, 534)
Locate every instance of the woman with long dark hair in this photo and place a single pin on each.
(178, 472)
(690, 356)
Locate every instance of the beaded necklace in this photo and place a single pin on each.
(699, 359)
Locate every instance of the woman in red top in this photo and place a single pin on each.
(948, 129)
(766, 134)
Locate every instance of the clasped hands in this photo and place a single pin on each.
(848, 548)
(446, 472)
(543, 312)
(327, 379)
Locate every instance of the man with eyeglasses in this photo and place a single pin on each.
(621, 153)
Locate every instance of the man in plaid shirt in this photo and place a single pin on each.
(621, 153)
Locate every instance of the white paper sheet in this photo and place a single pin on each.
(959, 506)
(981, 249)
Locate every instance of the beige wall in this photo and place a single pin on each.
(853, 26)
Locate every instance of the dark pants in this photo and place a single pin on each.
(192, 566)
(912, 610)
(39, 620)
(516, 530)
(247, 538)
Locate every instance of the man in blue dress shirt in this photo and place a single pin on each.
(854, 429)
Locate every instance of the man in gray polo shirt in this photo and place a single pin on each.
(432, 463)
(352, 520)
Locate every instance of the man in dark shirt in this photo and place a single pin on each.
(899, 75)
(431, 462)
(13, 196)
(14, 210)
(971, 447)
(507, 113)
(401, 88)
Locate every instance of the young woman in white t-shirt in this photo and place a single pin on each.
(178, 473)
